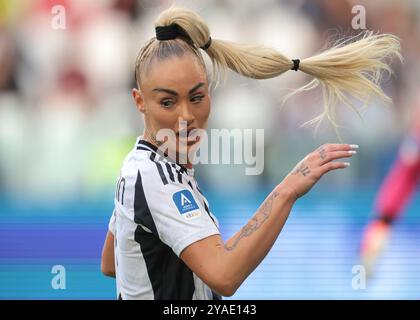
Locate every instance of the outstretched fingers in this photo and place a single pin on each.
(335, 155)
(333, 166)
(330, 152)
(331, 147)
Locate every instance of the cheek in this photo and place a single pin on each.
(160, 117)
(203, 114)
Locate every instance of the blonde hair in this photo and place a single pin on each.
(353, 67)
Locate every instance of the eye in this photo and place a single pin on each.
(166, 103)
(197, 98)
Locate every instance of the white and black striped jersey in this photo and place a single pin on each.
(159, 211)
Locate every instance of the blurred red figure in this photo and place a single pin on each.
(395, 192)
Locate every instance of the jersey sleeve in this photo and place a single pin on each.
(111, 224)
(170, 210)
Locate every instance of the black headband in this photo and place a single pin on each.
(174, 31)
(295, 64)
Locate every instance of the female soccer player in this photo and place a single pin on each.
(167, 242)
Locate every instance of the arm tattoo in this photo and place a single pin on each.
(256, 222)
(302, 168)
(322, 153)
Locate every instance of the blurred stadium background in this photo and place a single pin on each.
(67, 121)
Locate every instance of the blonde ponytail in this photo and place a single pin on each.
(352, 68)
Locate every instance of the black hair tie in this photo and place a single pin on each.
(207, 45)
(174, 31)
(168, 32)
(295, 64)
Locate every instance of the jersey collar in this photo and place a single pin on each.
(143, 144)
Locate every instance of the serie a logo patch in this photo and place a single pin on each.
(186, 204)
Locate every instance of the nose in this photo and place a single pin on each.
(186, 114)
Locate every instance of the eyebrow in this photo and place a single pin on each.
(196, 87)
(174, 93)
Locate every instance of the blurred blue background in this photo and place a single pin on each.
(312, 259)
(67, 121)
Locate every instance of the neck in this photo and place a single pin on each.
(149, 137)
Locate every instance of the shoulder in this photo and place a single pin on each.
(138, 162)
(150, 171)
(137, 171)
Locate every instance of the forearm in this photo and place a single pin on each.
(107, 259)
(225, 266)
(247, 248)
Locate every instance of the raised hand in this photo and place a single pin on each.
(308, 171)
